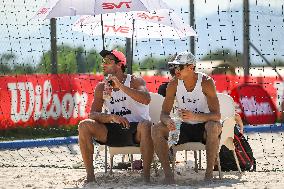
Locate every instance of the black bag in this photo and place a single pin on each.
(243, 151)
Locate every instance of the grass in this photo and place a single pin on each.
(36, 132)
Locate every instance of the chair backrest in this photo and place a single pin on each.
(227, 106)
(155, 107)
(227, 109)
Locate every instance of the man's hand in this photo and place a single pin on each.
(188, 115)
(115, 82)
(169, 123)
(120, 120)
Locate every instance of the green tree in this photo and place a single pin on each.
(278, 62)
(71, 60)
(226, 55)
(80, 59)
(152, 63)
(23, 69)
(6, 63)
(66, 61)
(93, 61)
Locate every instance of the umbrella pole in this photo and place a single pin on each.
(128, 55)
(53, 46)
(103, 35)
(129, 51)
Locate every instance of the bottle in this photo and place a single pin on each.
(107, 88)
(174, 134)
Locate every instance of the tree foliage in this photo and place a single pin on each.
(227, 55)
(10, 66)
(71, 60)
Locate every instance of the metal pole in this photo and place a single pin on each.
(246, 53)
(129, 55)
(53, 46)
(129, 50)
(191, 22)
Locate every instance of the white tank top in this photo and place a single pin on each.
(123, 105)
(195, 100)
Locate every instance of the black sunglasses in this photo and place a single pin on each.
(176, 66)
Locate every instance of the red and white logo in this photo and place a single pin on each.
(146, 16)
(43, 10)
(119, 29)
(116, 6)
(255, 103)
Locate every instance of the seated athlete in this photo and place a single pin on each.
(127, 121)
(199, 109)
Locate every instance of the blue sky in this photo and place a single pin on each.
(30, 38)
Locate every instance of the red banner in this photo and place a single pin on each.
(30, 100)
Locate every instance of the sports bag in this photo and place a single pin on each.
(244, 154)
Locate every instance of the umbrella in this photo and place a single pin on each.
(162, 23)
(157, 24)
(60, 8)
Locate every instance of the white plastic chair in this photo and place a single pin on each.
(227, 110)
(155, 108)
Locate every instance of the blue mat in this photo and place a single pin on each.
(38, 142)
(72, 140)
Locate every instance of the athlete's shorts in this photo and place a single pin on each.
(118, 136)
(192, 133)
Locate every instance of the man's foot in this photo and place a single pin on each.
(169, 181)
(90, 179)
(208, 176)
(146, 179)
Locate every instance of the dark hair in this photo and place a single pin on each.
(123, 67)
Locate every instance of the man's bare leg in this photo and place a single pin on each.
(213, 130)
(159, 134)
(88, 129)
(146, 147)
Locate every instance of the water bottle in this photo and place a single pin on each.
(107, 88)
(174, 134)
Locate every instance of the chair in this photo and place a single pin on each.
(227, 110)
(155, 108)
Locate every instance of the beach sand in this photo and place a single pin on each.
(61, 167)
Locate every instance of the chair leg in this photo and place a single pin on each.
(174, 162)
(195, 162)
(131, 161)
(105, 158)
(199, 159)
(111, 164)
(155, 166)
(237, 162)
(185, 155)
(219, 167)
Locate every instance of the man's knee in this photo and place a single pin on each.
(157, 131)
(213, 128)
(84, 125)
(145, 126)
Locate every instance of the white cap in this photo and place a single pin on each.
(184, 58)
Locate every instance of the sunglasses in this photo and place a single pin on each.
(178, 67)
(107, 61)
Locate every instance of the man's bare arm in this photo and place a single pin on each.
(168, 104)
(96, 109)
(208, 87)
(137, 90)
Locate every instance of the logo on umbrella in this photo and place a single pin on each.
(43, 10)
(118, 6)
(149, 17)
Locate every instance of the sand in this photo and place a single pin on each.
(61, 167)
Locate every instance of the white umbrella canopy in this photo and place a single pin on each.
(158, 24)
(60, 8)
